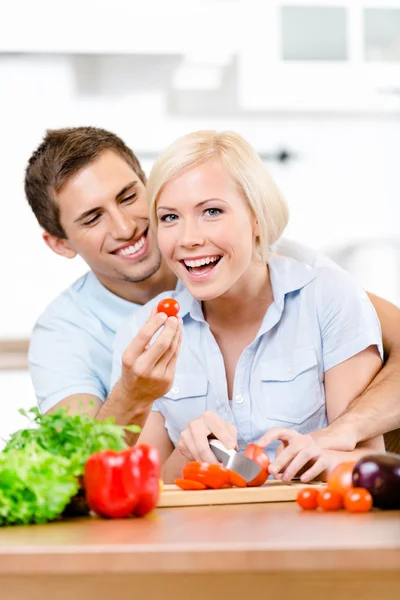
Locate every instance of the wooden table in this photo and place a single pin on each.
(225, 552)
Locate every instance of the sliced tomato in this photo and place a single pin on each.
(237, 480)
(186, 484)
(212, 476)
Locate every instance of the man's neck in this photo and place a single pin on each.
(143, 291)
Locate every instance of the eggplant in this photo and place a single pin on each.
(380, 475)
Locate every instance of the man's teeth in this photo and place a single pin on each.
(201, 261)
(132, 249)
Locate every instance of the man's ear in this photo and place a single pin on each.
(58, 245)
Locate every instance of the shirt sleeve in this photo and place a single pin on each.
(348, 321)
(64, 359)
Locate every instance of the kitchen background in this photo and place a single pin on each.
(314, 86)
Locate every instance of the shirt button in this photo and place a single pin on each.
(239, 399)
(175, 389)
(289, 369)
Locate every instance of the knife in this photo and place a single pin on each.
(245, 467)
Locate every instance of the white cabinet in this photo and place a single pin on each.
(326, 55)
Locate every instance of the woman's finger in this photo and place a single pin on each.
(312, 473)
(299, 461)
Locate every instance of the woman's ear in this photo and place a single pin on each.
(58, 245)
(256, 229)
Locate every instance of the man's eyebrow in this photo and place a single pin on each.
(125, 189)
(197, 205)
(94, 210)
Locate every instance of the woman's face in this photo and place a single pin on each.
(206, 231)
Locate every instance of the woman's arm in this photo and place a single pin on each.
(303, 453)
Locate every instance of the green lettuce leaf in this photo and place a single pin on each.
(35, 485)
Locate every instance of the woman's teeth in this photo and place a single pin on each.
(132, 249)
(199, 264)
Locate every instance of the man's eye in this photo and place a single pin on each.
(92, 220)
(129, 198)
(168, 218)
(213, 212)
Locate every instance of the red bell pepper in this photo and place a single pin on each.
(120, 484)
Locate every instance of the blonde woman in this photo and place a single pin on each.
(272, 349)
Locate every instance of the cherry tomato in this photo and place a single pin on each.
(358, 500)
(259, 456)
(308, 498)
(330, 499)
(169, 306)
(212, 476)
(186, 484)
(340, 478)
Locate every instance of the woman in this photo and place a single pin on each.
(272, 349)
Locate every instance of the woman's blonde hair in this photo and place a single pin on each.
(241, 162)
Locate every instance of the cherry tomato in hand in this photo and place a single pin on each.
(330, 499)
(259, 456)
(340, 478)
(169, 306)
(358, 500)
(308, 498)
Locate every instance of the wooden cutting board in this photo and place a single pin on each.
(272, 491)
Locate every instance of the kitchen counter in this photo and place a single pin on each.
(272, 550)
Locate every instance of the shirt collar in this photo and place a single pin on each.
(287, 276)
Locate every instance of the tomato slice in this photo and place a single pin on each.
(237, 480)
(186, 484)
(259, 456)
(212, 476)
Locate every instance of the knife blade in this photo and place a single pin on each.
(245, 467)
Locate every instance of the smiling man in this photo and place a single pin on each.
(87, 191)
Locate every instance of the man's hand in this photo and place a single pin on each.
(148, 371)
(193, 443)
(298, 453)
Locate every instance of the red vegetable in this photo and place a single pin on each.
(186, 484)
(169, 306)
(258, 454)
(330, 499)
(358, 500)
(120, 484)
(340, 478)
(307, 498)
(212, 476)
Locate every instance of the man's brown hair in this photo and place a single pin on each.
(62, 153)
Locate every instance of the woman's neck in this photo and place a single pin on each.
(246, 302)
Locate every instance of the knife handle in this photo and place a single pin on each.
(231, 453)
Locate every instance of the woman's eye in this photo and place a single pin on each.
(213, 212)
(168, 218)
(129, 198)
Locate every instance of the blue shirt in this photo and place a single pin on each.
(319, 318)
(71, 343)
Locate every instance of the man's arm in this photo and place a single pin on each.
(147, 374)
(375, 411)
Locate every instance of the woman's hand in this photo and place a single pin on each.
(297, 453)
(193, 442)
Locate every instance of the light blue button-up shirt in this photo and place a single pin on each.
(319, 318)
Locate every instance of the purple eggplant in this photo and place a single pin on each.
(380, 475)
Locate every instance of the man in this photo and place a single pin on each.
(87, 191)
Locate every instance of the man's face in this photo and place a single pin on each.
(103, 211)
